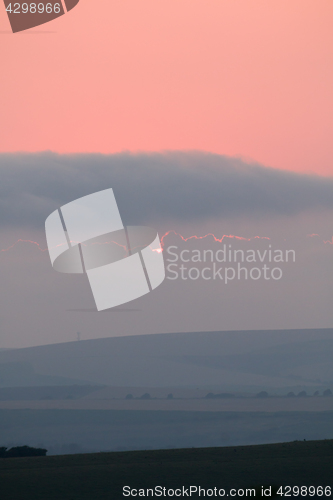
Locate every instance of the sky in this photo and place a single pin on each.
(205, 117)
(245, 207)
(244, 78)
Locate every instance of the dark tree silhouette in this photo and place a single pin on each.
(222, 395)
(262, 394)
(146, 395)
(24, 451)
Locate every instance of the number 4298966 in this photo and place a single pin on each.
(304, 491)
(34, 8)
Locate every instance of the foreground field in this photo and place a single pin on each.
(103, 475)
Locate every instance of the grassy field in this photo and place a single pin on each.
(100, 476)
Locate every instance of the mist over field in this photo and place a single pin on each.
(192, 389)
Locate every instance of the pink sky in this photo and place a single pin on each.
(251, 78)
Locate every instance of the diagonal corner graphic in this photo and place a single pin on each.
(25, 15)
(87, 236)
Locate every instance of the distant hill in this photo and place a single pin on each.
(46, 392)
(287, 360)
(22, 374)
(280, 358)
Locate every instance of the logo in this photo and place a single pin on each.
(25, 15)
(87, 236)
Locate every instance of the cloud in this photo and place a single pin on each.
(183, 186)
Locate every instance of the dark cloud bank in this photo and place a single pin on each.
(177, 185)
